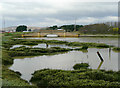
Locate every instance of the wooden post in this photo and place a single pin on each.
(38, 34)
(100, 65)
(64, 34)
(22, 35)
(100, 56)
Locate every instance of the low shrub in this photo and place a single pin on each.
(81, 65)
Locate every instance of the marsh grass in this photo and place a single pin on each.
(54, 78)
(6, 59)
(99, 45)
(24, 51)
(73, 79)
(11, 78)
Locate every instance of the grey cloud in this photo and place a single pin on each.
(39, 12)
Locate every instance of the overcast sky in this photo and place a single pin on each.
(44, 13)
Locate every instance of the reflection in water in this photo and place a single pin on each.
(100, 65)
(109, 53)
(119, 61)
(87, 56)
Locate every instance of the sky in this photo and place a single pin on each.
(44, 13)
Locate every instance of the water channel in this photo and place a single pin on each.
(28, 65)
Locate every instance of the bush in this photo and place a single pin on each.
(82, 65)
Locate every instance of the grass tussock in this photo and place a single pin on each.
(81, 65)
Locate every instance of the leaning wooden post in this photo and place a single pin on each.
(100, 56)
(100, 65)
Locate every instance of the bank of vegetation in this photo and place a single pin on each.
(9, 77)
(11, 42)
(24, 51)
(82, 76)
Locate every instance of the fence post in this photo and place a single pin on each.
(100, 56)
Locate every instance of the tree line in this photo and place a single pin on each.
(67, 28)
(100, 28)
(86, 29)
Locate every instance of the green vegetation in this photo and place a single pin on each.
(15, 34)
(6, 59)
(21, 28)
(24, 51)
(80, 77)
(100, 28)
(96, 45)
(81, 65)
(67, 28)
(8, 44)
(48, 78)
(11, 78)
(97, 29)
(117, 49)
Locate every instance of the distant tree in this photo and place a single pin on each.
(67, 28)
(21, 28)
(53, 27)
(29, 30)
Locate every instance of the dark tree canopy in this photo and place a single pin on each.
(67, 28)
(21, 28)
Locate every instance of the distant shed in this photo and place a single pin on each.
(52, 35)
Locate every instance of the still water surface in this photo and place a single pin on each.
(28, 65)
